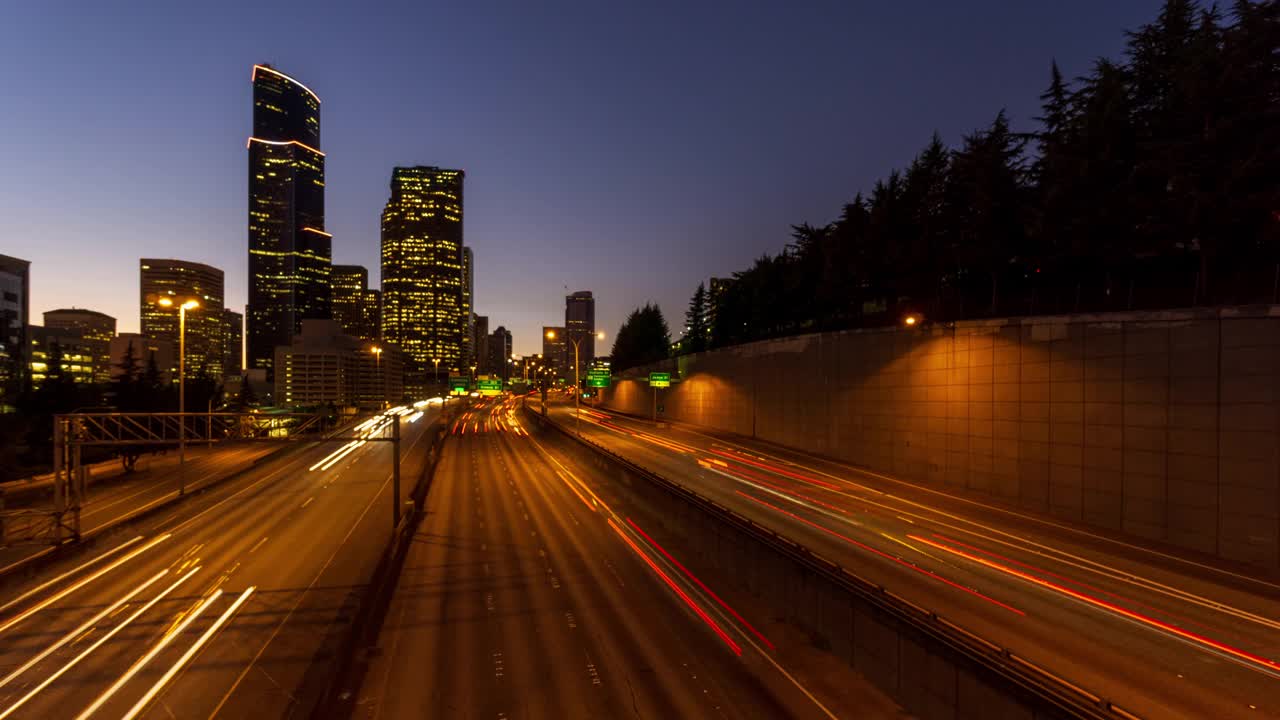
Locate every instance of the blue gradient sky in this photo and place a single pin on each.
(630, 149)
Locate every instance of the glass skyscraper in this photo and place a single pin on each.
(424, 308)
(183, 280)
(290, 253)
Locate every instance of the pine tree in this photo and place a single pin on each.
(696, 333)
(124, 387)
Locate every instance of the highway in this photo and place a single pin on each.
(227, 604)
(1160, 634)
(531, 591)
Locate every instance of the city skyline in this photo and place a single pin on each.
(542, 186)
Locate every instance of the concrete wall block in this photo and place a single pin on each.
(1251, 388)
(1101, 501)
(981, 374)
(1104, 391)
(1104, 436)
(1146, 367)
(975, 700)
(1138, 414)
(1103, 413)
(1254, 360)
(1035, 372)
(1197, 336)
(1150, 439)
(1033, 484)
(1238, 332)
(1259, 417)
(1005, 429)
(1238, 447)
(1146, 339)
(1065, 454)
(1006, 373)
(1100, 458)
(1182, 442)
(1028, 410)
(1193, 528)
(875, 651)
(1066, 369)
(1103, 340)
(1194, 417)
(1144, 469)
(1104, 368)
(1006, 410)
(1202, 470)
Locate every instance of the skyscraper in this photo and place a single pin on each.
(423, 309)
(95, 330)
(556, 353)
(355, 306)
(289, 251)
(469, 354)
(580, 323)
(498, 347)
(15, 315)
(232, 343)
(480, 341)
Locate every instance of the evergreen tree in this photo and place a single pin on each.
(642, 339)
(696, 333)
(124, 387)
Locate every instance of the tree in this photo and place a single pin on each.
(246, 397)
(696, 333)
(124, 387)
(642, 339)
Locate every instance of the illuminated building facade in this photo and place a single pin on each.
(290, 253)
(95, 330)
(580, 323)
(469, 354)
(232, 343)
(480, 341)
(15, 304)
(181, 280)
(556, 352)
(498, 349)
(357, 309)
(424, 311)
(324, 365)
(76, 357)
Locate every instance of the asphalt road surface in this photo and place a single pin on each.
(1161, 634)
(528, 595)
(228, 605)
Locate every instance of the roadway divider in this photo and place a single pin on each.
(929, 665)
(351, 656)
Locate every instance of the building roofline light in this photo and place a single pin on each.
(321, 232)
(273, 71)
(282, 142)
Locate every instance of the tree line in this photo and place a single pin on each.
(1150, 182)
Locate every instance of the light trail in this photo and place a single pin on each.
(86, 625)
(151, 654)
(68, 573)
(884, 555)
(1269, 666)
(99, 643)
(186, 657)
(787, 473)
(67, 591)
(737, 649)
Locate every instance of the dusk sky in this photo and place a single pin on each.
(631, 149)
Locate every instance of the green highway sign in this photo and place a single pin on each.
(490, 387)
(598, 382)
(659, 380)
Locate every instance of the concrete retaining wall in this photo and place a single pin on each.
(1161, 425)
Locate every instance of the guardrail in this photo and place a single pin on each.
(930, 665)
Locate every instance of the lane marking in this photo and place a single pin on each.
(89, 650)
(309, 501)
(190, 653)
(67, 591)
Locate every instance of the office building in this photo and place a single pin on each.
(232, 344)
(356, 307)
(60, 350)
(480, 341)
(144, 350)
(180, 280)
(15, 315)
(498, 353)
(580, 323)
(95, 330)
(554, 345)
(290, 253)
(324, 365)
(424, 311)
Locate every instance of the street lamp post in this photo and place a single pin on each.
(435, 377)
(377, 371)
(182, 384)
(577, 389)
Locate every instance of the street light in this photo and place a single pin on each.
(183, 307)
(377, 365)
(911, 320)
(435, 377)
(577, 390)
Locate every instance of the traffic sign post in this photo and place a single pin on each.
(598, 378)
(659, 379)
(489, 386)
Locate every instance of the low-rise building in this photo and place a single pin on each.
(324, 365)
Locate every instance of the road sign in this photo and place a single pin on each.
(659, 380)
(490, 386)
(598, 382)
(459, 381)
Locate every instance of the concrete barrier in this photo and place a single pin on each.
(933, 668)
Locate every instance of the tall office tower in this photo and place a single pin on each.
(15, 351)
(498, 347)
(232, 344)
(468, 302)
(480, 341)
(580, 323)
(289, 252)
(423, 311)
(181, 281)
(556, 353)
(95, 330)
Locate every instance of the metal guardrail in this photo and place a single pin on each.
(1054, 691)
